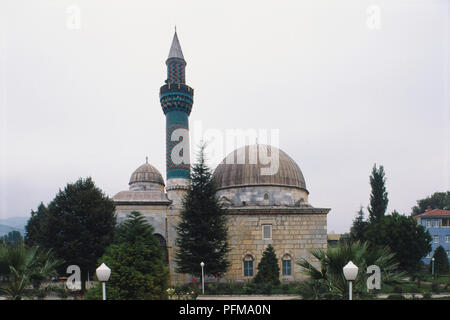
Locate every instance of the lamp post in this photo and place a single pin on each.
(202, 264)
(103, 273)
(432, 267)
(350, 273)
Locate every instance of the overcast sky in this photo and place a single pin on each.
(347, 84)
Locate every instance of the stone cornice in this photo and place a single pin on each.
(144, 203)
(275, 210)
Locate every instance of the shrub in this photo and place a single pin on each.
(249, 288)
(426, 296)
(265, 287)
(447, 286)
(414, 289)
(313, 289)
(435, 287)
(441, 261)
(396, 296)
(211, 288)
(398, 289)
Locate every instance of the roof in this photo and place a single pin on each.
(245, 167)
(175, 48)
(434, 213)
(146, 173)
(149, 196)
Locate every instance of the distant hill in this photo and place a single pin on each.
(4, 230)
(10, 224)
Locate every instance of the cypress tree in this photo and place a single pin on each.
(202, 230)
(378, 197)
(268, 269)
(137, 262)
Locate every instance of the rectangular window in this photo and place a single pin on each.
(248, 268)
(447, 239)
(445, 223)
(267, 232)
(436, 239)
(286, 267)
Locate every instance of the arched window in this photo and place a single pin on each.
(163, 245)
(287, 265)
(248, 266)
(266, 196)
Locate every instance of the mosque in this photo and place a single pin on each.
(261, 208)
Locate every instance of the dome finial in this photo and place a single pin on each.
(146, 160)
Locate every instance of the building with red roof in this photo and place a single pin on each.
(437, 222)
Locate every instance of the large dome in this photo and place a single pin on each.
(239, 171)
(145, 175)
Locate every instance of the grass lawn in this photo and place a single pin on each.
(441, 278)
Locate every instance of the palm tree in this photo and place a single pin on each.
(22, 270)
(330, 275)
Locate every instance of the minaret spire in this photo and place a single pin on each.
(175, 48)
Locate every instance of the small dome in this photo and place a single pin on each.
(146, 174)
(234, 172)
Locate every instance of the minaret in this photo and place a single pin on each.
(176, 101)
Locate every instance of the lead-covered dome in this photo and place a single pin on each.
(260, 175)
(146, 177)
(258, 165)
(146, 187)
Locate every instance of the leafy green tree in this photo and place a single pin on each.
(268, 269)
(78, 225)
(440, 261)
(330, 275)
(33, 231)
(13, 238)
(379, 196)
(202, 230)
(22, 267)
(404, 236)
(438, 200)
(137, 262)
(359, 227)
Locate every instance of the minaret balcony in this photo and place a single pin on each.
(176, 87)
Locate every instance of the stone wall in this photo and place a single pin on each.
(292, 233)
(295, 231)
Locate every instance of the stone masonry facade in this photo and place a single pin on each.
(294, 234)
